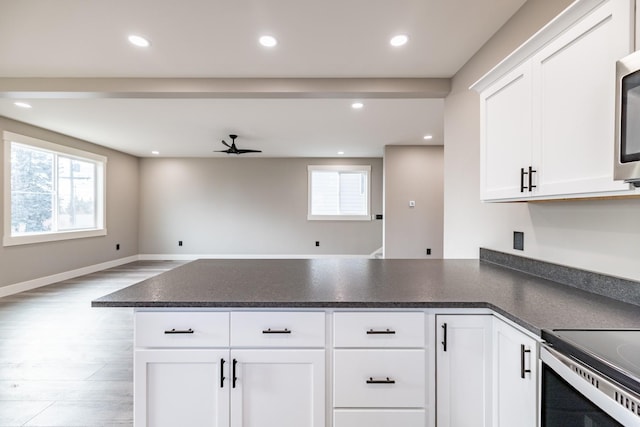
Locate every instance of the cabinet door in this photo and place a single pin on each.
(574, 102)
(278, 387)
(463, 370)
(505, 140)
(181, 388)
(515, 377)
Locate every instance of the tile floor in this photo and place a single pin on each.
(64, 363)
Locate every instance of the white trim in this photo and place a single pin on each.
(192, 257)
(59, 277)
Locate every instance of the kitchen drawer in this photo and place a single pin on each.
(181, 329)
(277, 329)
(379, 329)
(379, 418)
(362, 378)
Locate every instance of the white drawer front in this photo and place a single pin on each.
(379, 329)
(181, 329)
(379, 418)
(277, 329)
(379, 378)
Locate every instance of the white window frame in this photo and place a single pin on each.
(339, 168)
(101, 173)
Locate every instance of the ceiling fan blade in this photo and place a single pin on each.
(242, 151)
(222, 151)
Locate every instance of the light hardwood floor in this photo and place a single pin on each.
(64, 363)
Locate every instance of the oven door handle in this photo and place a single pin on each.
(604, 396)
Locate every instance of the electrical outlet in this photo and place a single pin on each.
(179, 242)
(317, 243)
(518, 240)
(117, 246)
(428, 251)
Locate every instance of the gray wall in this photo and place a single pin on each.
(249, 206)
(26, 262)
(413, 173)
(597, 235)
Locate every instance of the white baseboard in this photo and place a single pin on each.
(54, 278)
(191, 257)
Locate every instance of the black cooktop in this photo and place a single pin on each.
(613, 352)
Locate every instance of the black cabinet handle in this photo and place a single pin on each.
(530, 173)
(178, 331)
(380, 332)
(522, 368)
(387, 380)
(222, 378)
(522, 174)
(277, 331)
(444, 337)
(233, 373)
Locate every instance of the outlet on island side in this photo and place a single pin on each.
(317, 243)
(179, 242)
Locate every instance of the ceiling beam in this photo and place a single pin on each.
(202, 88)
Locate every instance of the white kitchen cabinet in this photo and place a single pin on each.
(277, 387)
(547, 122)
(181, 387)
(379, 369)
(463, 370)
(505, 143)
(574, 103)
(180, 379)
(515, 379)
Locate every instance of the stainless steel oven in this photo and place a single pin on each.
(627, 137)
(590, 378)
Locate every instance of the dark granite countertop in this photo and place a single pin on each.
(530, 301)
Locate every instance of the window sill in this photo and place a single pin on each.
(51, 237)
(339, 217)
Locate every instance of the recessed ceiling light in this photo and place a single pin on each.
(428, 137)
(154, 152)
(340, 153)
(139, 41)
(22, 104)
(399, 40)
(268, 41)
(357, 105)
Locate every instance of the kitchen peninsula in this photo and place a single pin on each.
(342, 342)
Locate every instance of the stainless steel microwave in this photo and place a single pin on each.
(627, 139)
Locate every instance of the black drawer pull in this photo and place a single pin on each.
(234, 378)
(178, 331)
(523, 371)
(379, 332)
(276, 331)
(384, 381)
(222, 378)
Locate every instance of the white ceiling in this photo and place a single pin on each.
(217, 39)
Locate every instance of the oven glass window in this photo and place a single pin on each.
(630, 118)
(564, 406)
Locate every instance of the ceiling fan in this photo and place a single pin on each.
(235, 150)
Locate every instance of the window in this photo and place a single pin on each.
(339, 192)
(52, 192)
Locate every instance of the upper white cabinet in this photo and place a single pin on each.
(547, 112)
(505, 113)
